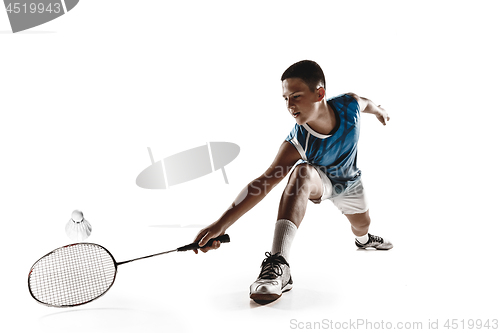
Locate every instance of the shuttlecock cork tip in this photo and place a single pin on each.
(77, 216)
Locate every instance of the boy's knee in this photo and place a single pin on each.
(302, 181)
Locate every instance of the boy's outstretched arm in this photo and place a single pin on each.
(252, 194)
(367, 106)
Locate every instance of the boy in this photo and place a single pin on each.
(324, 143)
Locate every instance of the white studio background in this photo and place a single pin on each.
(83, 96)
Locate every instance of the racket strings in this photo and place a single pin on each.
(72, 275)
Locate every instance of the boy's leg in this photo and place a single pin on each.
(353, 204)
(304, 184)
(359, 223)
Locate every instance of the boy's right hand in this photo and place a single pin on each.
(205, 234)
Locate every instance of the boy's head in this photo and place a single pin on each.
(309, 72)
(303, 86)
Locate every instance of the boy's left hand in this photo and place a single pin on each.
(382, 115)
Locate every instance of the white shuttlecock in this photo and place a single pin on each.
(77, 227)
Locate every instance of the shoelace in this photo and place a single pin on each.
(271, 268)
(374, 238)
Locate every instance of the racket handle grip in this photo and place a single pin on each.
(192, 246)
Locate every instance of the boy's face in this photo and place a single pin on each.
(300, 101)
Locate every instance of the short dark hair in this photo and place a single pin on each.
(308, 71)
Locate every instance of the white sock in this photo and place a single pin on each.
(363, 239)
(284, 233)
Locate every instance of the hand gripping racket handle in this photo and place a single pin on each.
(192, 246)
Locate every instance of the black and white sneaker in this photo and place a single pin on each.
(274, 279)
(376, 242)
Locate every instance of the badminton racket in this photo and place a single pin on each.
(79, 273)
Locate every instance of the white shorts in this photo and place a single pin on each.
(351, 200)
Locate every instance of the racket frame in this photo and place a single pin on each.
(62, 247)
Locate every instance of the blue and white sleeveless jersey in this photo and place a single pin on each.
(335, 153)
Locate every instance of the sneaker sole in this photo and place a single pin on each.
(267, 298)
(373, 247)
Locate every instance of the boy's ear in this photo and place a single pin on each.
(321, 93)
